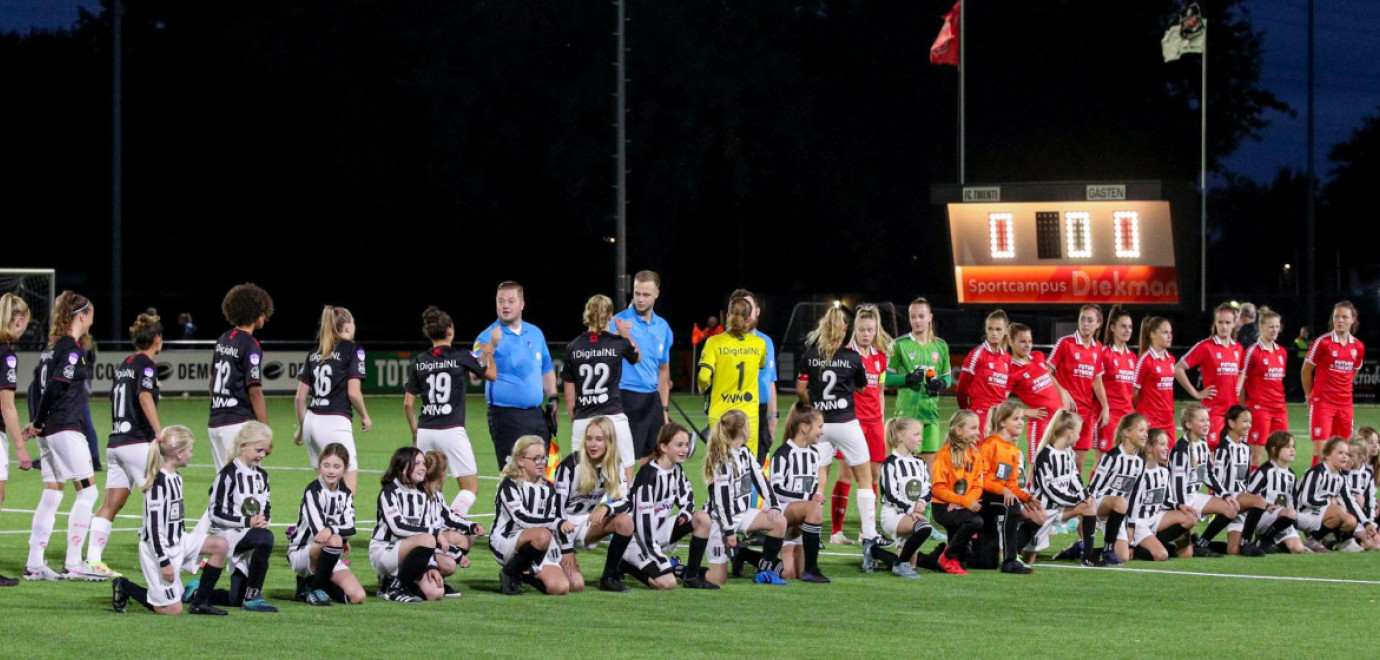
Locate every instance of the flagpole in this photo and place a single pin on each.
(1202, 181)
(962, 46)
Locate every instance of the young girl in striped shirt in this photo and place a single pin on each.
(240, 512)
(1232, 465)
(447, 525)
(592, 493)
(1058, 488)
(905, 494)
(795, 479)
(731, 473)
(664, 512)
(325, 520)
(1274, 482)
(1326, 507)
(403, 546)
(164, 547)
(957, 489)
(1111, 484)
(1154, 520)
(526, 522)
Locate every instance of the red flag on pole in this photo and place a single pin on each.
(945, 48)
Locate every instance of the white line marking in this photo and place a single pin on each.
(309, 469)
(1285, 578)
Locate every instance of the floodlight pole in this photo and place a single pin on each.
(621, 195)
(1310, 291)
(116, 177)
(962, 63)
(1202, 180)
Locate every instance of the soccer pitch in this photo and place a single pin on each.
(1233, 607)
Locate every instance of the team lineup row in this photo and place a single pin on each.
(833, 381)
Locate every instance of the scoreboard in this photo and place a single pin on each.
(1103, 248)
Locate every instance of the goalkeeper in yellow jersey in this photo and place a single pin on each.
(729, 365)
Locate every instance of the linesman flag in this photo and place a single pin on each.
(945, 48)
(1187, 34)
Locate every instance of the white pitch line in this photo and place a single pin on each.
(193, 521)
(308, 469)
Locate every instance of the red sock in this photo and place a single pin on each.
(840, 504)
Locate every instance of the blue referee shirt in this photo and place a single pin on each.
(522, 359)
(654, 340)
(766, 377)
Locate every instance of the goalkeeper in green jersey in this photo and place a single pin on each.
(919, 368)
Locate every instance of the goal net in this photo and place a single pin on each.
(38, 288)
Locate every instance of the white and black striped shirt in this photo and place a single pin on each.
(403, 511)
(1232, 465)
(655, 492)
(163, 513)
(321, 508)
(1116, 474)
(520, 505)
(1274, 484)
(239, 493)
(569, 500)
(794, 473)
(1056, 483)
(443, 518)
(1319, 486)
(905, 482)
(731, 492)
(1361, 483)
(1150, 495)
(1190, 466)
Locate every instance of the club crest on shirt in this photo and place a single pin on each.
(961, 486)
(914, 489)
(253, 358)
(11, 361)
(73, 358)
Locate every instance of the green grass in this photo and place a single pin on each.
(1056, 612)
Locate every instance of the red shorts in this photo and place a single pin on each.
(1325, 421)
(1034, 430)
(1106, 435)
(875, 432)
(1217, 420)
(1265, 421)
(982, 414)
(1088, 432)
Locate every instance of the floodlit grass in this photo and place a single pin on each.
(1059, 611)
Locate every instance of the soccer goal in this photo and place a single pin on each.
(38, 288)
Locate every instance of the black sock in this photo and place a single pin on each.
(414, 565)
(885, 557)
(1011, 532)
(809, 535)
(1169, 534)
(1024, 533)
(1089, 536)
(746, 555)
(697, 547)
(1113, 529)
(1142, 554)
(1219, 523)
(234, 596)
(262, 542)
(1323, 532)
(137, 593)
(930, 560)
(1281, 523)
(325, 567)
(918, 535)
(771, 555)
(680, 531)
(628, 569)
(210, 575)
(1252, 521)
(613, 565)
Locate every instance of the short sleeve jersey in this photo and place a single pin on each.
(1077, 366)
(1119, 377)
(731, 365)
(832, 382)
(1219, 364)
(1033, 384)
(40, 380)
(1336, 364)
(1155, 380)
(70, 366)
(327, 378)
(234, 369)
(594, 364)
(437, 376)
(869, 398)
(988, 376)
(1265, 369)
(136, 375)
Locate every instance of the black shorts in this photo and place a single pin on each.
(506, 425)
(646, 416)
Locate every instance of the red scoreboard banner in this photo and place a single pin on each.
(1141, 285)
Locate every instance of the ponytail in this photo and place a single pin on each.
(66, 308)
(175, 438)
(145, 330)
(333, 320)
(11, 307)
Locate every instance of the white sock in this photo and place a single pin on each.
(462, 503)
(42, 527)
(100, 535)
(867, 511)
(78, 522)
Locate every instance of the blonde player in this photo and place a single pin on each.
(795, 480)
(328, 387)
(905, 486)
(240, 512)
(592, 494)
(731, 471)
(14, 318)
(526, 522)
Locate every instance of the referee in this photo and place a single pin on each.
(525, 377)
(645, 387)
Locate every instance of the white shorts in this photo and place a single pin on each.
(4, 457)
(891, 521)
(222, 441)
(1238, 523)
(847, 438)
(321, 430)
(1309, 522)
(1198, 501)
(718, 553)
(1267, 519)
(647, 557)
(383, 557)
(626, 454)
(125, 465)
(576, 540)
(186, 556)
(503, 547)
(1101, 522)
(66, 457)
(455, 444)
(1054, 517)
(300, 561)
(1146, 528)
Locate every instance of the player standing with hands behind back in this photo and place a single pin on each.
(236, 396)
(1340, 355)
